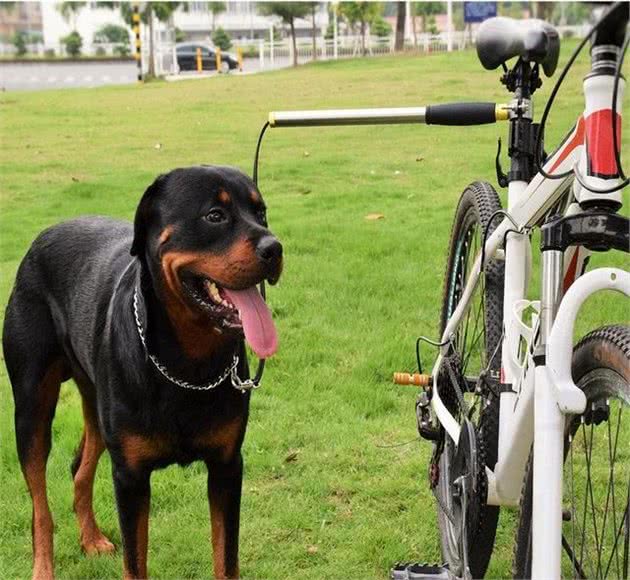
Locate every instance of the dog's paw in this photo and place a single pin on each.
(97, 544)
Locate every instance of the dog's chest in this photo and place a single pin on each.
(217, 440)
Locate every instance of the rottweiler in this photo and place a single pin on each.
(150, 319)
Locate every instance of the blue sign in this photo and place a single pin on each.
(479, 11)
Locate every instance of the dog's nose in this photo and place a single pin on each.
(269, 249)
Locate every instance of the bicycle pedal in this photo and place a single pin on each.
(421, 571)
(415, 379)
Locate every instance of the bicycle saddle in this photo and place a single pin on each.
(499, 39)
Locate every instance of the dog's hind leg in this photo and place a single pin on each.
(93, 541)
(36, 369)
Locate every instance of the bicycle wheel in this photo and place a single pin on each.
(477, 350)
(596, 518)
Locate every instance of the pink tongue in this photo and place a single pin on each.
(258, 326)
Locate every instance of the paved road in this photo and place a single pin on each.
(38, 76)
(41, 76)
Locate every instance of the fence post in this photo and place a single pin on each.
(199, 62)
(218, 58)
(271, 47)
(261, 53)
(239, 56)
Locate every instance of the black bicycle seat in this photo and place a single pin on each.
(500, 39)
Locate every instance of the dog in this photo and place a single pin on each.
(150, 319)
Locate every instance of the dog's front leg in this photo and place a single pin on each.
(133, 497)
(224, 493)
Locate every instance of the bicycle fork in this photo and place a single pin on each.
(548, 435)
(555, 393)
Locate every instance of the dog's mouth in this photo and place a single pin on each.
(242, 311)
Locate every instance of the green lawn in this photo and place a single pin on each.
(354, 296)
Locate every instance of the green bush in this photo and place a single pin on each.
(122, 49)
(49, 53)
(19, 41)
(381, 28)
(221, 39)
(72, 43)
(100, 51)
(112, 34)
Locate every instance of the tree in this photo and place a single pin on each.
(160, 10)
(401, 15)
(70, 12)
(362, 13)
(73, 43)
(425, 10)
(19, 41)
(288, 12)
(221, 39)
(216, 8)
(313, 9)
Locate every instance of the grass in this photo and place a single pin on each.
(354, 296)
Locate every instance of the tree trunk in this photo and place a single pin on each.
(295, 55)
(363, 48)
(413, 25)
(213, 17)
(401, 13)
(314, 32)
(151, 71)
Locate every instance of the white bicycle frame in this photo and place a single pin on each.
(534, 410)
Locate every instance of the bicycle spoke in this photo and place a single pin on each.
(585, 497)
(576, 565)
(625, 521)
(589, 485)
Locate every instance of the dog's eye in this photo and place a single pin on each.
(261, 216)
(215, 216)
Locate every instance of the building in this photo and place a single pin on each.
(240, 20)
(20, 17)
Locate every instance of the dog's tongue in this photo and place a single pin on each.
(258, 326)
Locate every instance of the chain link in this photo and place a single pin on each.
(230, 371)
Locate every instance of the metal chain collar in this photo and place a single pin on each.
(236, 381)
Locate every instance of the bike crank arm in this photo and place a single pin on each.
(453, 114)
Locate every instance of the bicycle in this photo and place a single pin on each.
(508, 396)
(512, 398)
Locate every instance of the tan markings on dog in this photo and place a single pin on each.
(35, 471)
(142, 544)
(254, 196)
(238, 267)
(93, 541)
(165, 235)
(139, 449)
(226, 438)
(218, 542)
(224, 197)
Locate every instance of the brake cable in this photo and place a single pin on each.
(539, 138)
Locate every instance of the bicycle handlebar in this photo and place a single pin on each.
(453, 114)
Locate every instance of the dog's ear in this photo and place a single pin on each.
(144, 213)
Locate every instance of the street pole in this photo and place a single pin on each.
(449, 25)
(136, 31)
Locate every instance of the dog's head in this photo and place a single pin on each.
(202, 232)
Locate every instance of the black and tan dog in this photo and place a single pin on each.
(137, 315)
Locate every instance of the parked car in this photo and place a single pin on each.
(187, 57)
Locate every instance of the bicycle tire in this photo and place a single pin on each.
(601, 367)
(477, 204)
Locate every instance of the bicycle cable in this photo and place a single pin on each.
(261, 286)
(539, 138)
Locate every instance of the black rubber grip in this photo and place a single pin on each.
(461, 114)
